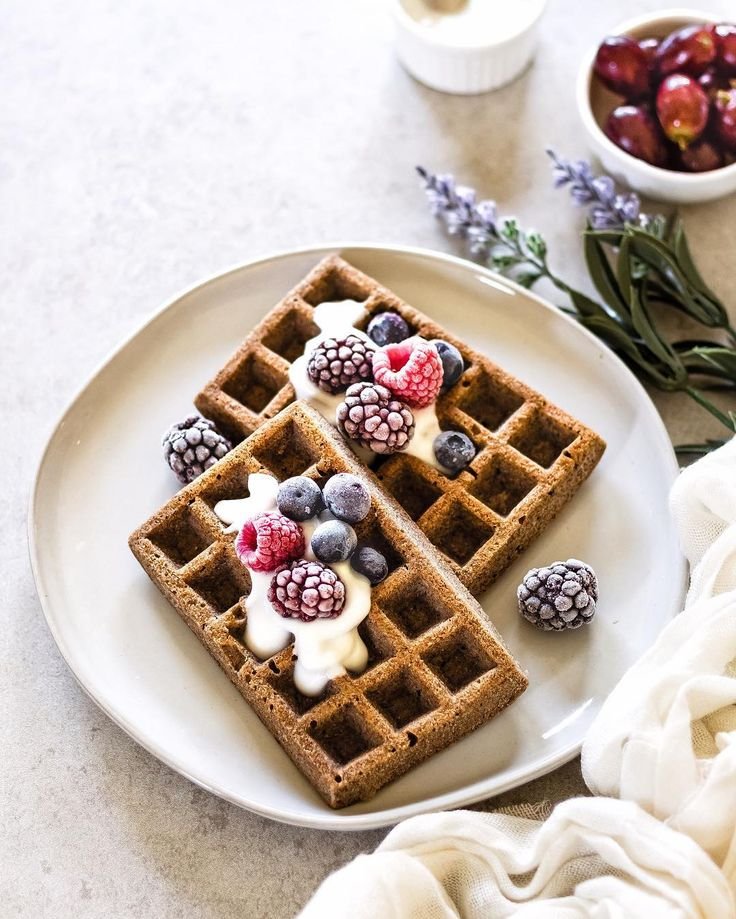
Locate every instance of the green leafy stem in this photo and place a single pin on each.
(634, 269)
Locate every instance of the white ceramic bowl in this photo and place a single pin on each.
(595, 102)
(464, 58)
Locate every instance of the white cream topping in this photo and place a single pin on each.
(324, 648)
(337, 320)
(426, 428)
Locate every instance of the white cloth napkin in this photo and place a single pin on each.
(593, 857)
(666, 736)
(664, 742)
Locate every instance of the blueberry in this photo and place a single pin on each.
(452, 363)
(454, 450)
(333, 541)
(299, 498)
(347, 497)
(387, 329)
(370, 563)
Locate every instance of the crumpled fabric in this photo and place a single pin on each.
(662, 748)
(593, 857)
(666, 736)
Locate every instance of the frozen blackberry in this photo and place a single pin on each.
(387, 329)
(453, 450)
(347, 497)
(559, 596)
(452, 363)
(192, 446)
(300, 498)
(306, 590)
(333, 541)
(337, 363)
(370, 563)
(375, 418)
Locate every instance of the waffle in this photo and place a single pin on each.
(531, 456)
(436, 668)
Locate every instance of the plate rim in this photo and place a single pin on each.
(330, 820)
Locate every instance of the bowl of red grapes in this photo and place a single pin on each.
(658, 98)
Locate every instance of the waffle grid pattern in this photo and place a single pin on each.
(436, 667)
(532, 456)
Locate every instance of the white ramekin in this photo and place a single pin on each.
(595, 102)
(468, 67)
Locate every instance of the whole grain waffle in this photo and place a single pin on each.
(531, 455)
(436, 670)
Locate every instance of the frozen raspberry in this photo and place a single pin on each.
(371, 416)
(337, 363)
(269, 540)
(307, 590)
(411, 369)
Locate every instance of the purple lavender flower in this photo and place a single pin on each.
(456, 206)
(609, 209)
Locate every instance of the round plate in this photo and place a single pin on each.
(102, 474)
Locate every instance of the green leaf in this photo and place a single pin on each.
(536, 245)
(686, 344)
(604, 278)
(708, 446)
(623, 269)
(609, 237)
(527, 278)
(502, 262)
(643, 325)
(657, 293)
(728, 419)
(699, 449)
(510, 229)
(617, 339)
(662, 258)
(682, 251)
(657, 226)
(585, 305)
(713, 357)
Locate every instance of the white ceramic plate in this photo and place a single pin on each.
(102, 474)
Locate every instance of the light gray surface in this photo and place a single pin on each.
(145, 146)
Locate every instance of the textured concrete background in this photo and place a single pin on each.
(145, 146)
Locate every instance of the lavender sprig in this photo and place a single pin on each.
(456, 206)
(634, 260)
(497, 240)
(609, 209)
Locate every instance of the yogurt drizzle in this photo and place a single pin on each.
(337, 320)
(325, 648)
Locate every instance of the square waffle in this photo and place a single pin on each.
(531, 455)
(436, 668)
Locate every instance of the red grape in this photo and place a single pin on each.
(701, 156)
(724, 118)
(688, 50)
(682, 109)
(710, 82)
(649, 47)
(725, 36)
(621, 65)
(635, 131)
